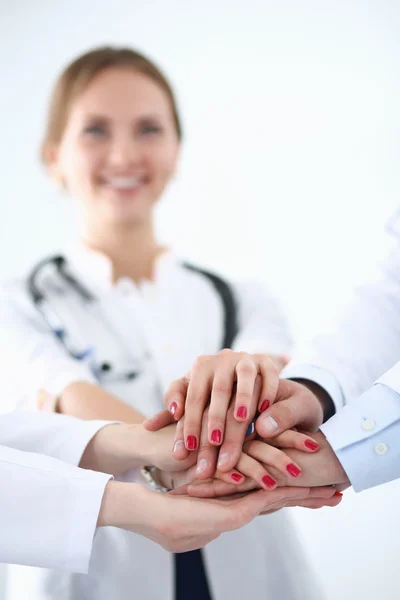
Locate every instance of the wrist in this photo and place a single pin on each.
(124, 505)
(325, 401)
(114, 449)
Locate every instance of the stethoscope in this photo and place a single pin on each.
(103, 370)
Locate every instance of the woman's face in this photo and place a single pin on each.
(119, 147)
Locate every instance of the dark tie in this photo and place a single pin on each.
(190, 577)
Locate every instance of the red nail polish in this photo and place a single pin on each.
(191, 442)
(172, 408)
(338, 494)
(311, 445)
(264, 406)
(236, 477)
(268, 481)
(216, 436)
(242, 412)
(293, 470)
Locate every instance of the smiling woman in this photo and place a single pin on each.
(125, 304)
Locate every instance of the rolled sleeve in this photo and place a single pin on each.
(365, 436)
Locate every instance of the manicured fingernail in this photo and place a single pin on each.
(172, 408)
(268, 481)
(293, 470)
(202, 465)
(242, 412)
(216, 436)
(236, 477)
(179, 445)
(191, 442)
(269, 424)
(223, 459)
(264, 406)
(338, 494)
(311, 445)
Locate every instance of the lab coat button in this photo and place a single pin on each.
(381, 449)
(368, 424)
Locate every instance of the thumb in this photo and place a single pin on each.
(160, 420)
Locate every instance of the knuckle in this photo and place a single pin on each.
(222, 386)
(244, 396)
(246, 367)
(225, 352)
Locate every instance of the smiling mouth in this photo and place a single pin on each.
(123, 184)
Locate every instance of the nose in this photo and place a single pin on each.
(124, 152)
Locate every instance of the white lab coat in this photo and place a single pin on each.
(357, 361)
(48, 508)
(162, 326)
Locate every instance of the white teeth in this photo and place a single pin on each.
(123, 182)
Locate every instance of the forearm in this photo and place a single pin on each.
(117, 448)
(122, 505)
(89, 401)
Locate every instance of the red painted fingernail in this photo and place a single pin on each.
(172, 408)
(191, 442)
(216, 436)
(311, 445)
(338, 494)
(264, 406)
(268, 481)
(293, 470)
(242, 412)
(236, 477)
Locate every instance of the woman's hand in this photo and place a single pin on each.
(295, 406)
(117, 448)
(211, 382)
(179, 523)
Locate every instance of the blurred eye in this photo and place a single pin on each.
(148, 129)
(95, 130)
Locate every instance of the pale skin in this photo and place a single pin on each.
(178, 523)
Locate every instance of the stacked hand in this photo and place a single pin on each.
(214, 405)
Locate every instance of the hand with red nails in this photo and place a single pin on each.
(212, 382)
(296, 406)
(317, 469)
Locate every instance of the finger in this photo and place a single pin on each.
(207, 458)
(221, 395)
(246, 373)
(295, 439)
(251, 468)
(272, 457)
(198, 395)
(294, 407)
(179, 450)
(270, 381)
(235, 435)
(175, 397)
(158, 421)
(217, 488)
(316, 502)
(256, 502)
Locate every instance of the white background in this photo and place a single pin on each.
(289, 171)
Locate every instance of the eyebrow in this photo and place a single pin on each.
(145, 117)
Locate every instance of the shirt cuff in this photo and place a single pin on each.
(88, 496)
(365, 436)
(322, 377)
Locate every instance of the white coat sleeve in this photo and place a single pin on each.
(263, 326)
(59, 436)
(32, 358)
(48, 511)
(348, 358)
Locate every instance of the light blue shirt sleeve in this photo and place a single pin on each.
(365, 436)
